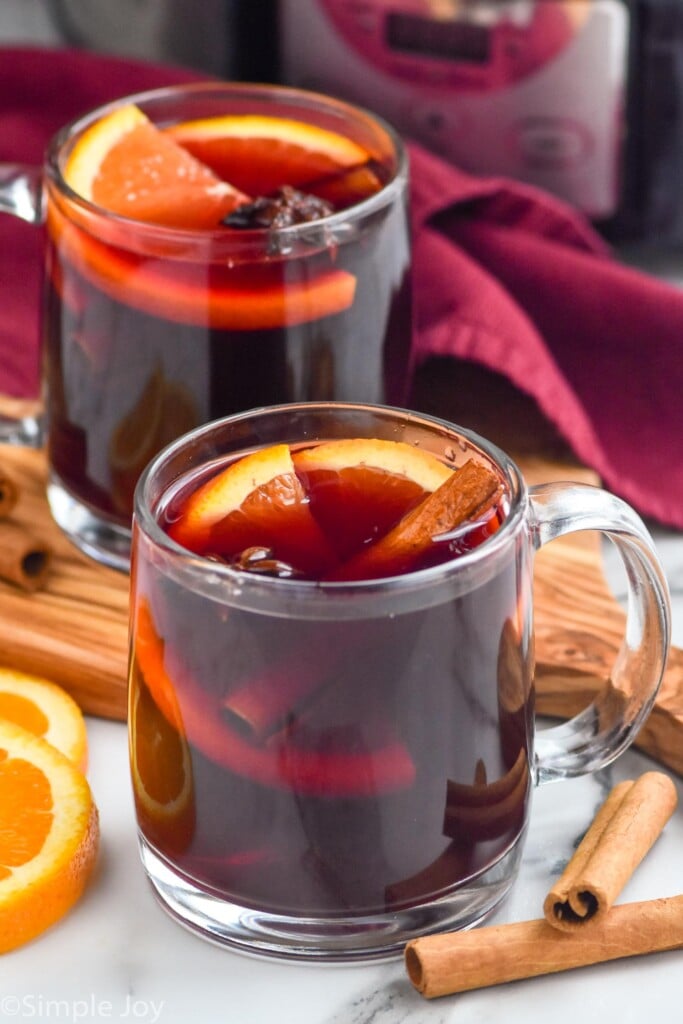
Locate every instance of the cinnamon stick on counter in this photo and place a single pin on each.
(9, 494)
(24, 560)
(624, 829)
(467, 493)
(440, 965)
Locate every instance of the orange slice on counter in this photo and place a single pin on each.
(46, 710)
(257, 502)
(126, 165)
(49, 834)
(360, 487)
(259, 153)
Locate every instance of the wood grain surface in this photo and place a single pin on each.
(74, 631)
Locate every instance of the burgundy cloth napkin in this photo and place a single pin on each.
(40, 91)
(505, 276)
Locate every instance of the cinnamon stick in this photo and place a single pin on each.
(440, 965)
(623, 831)
(466, 493)
(9, 494)
(24, 560)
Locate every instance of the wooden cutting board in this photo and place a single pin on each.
(74, 631)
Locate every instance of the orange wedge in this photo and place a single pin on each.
(49, 835)
(360, 487)
(126, 165)
(258, 501)
(46, 710)
(258, 153)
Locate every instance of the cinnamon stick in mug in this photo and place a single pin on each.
(623, 831)
(464, 495)
(440, 965)
(24, 560)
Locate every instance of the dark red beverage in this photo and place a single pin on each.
(327, 764)
(150, 332)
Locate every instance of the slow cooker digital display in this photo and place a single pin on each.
(447, 40)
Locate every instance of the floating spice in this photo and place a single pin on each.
(286, 207)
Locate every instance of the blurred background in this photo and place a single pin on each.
(583, 98)
(202, 35)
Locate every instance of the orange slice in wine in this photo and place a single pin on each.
(259, 153)
(161, 765)
(158, 738)
(258, 502)
(126, 165)
(279, 295)
(360, 487)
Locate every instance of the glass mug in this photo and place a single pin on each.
(380, 787)
(150, 331)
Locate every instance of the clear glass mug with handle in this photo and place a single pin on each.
(150, 330)
(347, 765)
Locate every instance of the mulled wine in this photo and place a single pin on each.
(151, 330)
(322, 764)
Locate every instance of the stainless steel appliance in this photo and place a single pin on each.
(581, 97)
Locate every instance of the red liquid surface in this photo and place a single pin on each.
(331, 767)
(142, 345)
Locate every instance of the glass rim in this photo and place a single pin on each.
(288, 235)
(183, 559)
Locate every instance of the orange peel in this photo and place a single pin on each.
(46, 710)
(257, 500)
(260, 153)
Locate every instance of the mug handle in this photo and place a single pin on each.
(603, 730)
(21, 194)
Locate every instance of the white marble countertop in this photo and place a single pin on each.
(118, 956)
